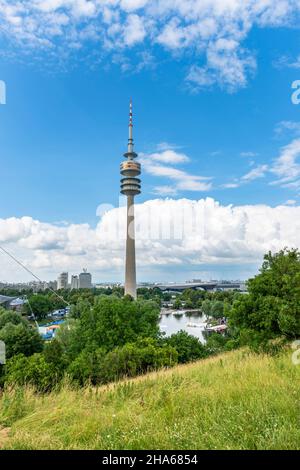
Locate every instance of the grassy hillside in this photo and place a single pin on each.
(234, 401)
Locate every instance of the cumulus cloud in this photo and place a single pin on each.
(182, 235)
(210, 33)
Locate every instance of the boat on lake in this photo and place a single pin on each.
(196, 325)
(216, 328)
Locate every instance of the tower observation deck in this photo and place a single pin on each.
(130, 187)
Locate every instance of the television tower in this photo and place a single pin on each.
(130, 187)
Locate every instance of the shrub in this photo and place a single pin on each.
(33, 370)
(137, 358)
(188, 347)
(20, 339)
(10, 317)
(96, 366)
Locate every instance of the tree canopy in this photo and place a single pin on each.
(272, 307)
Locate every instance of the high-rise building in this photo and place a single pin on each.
(62, 281)
(130, 187)
(85, 280)
(74, 282)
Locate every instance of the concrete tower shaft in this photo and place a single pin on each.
(130, 187)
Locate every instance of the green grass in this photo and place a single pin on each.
(234, 401)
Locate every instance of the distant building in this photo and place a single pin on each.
(50, 285)
(5, 301)
(212, 286)
(17, 304)
(62, 281)
(11, 303)
(74, 282)
(85, 280)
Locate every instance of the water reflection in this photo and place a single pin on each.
(191, 323)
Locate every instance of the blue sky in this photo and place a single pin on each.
(211, 87)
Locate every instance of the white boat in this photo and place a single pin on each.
(217, 328)
(196, 325)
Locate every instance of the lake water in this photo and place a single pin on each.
(171, 323)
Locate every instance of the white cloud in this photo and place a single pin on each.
(134, 30)
(287, 126)
(182, 234)
(169, 156)
(210, 33)
(166, 146)
(286, 167)
(249, 154)
(158, 164)
(165, 190)
(130, 5)
(258, 172)
(230, 185)
(228, 65)
(284, 61)
(290, 202)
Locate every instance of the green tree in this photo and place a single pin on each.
(40, 305)
(217, 309)
(206, 307)
(177, 303)
(87, 366)
(111, 322)
(55, 355)
(10, 317)
(272, 307)
(82, 305)
(20, 339)
(188, 347)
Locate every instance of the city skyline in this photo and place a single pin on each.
(62, 131)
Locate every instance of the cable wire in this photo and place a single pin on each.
(31, 273)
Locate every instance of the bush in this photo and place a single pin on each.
(33, 370)
(10, 317)
(137, 358)
(96, 366)
(20, 339)
(54, 354)
(217, 343)
(188, 347)
(87, 367)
